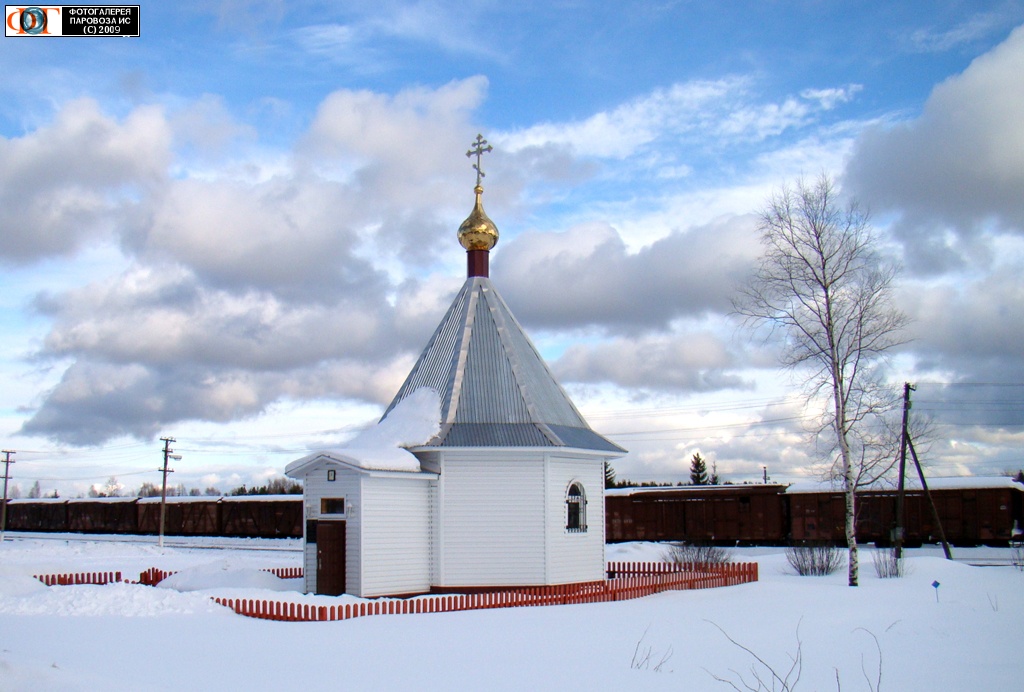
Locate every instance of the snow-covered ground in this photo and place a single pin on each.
(966, 635)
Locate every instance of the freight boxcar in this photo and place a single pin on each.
(262, 516)
(183, 516)
(713, 514)
(819, 515)
(39, 514)
(972, 510)
(815, 515)
(103, 515)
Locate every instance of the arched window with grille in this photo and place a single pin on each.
(575, 508)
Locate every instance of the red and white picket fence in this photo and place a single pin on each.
(631, 580)
(628, 569)
(626, 581)
(79, 578)
(151, 577)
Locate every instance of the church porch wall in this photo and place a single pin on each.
(316, 487)
(491, 519)
(396, 536)
(574, 556)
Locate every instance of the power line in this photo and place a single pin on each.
(725, 406)
(724, 426)
(87, 478)
(971, 384)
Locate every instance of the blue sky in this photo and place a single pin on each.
(238, 228)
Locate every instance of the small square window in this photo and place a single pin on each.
(332, 505)
(332, 474)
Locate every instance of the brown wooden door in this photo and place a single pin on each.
(330, 558)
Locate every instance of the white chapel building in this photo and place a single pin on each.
(492, 477)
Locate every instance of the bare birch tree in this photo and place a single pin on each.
(822, 287)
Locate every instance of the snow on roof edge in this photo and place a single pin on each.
(384, 447)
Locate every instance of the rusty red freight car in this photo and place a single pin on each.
(722, 514)
(262, 516)
(37, 514)
(972, 510)
(183, 516)
(102, 515)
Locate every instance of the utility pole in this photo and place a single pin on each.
(163, 491)
(897, 537)
(7, 476)
(764, 474)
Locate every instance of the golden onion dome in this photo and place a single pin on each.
(478, 232)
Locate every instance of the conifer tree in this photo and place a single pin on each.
(609, 475)
(698, 470)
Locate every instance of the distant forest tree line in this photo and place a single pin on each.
(275, 486)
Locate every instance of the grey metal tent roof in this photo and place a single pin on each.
(496, 390)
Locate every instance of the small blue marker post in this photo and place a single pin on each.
(936, 585)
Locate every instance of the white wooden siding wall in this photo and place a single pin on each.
(575, 556)
(315, 487)
(430, 460)
(395, 522)
(492, 519)
(435, 532)
(309, 566)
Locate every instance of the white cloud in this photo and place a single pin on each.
(960, 165)
(68, 182)
(414, 131)
(765, 120)
(208, 127)
(830, 98)
(452, 28)
(971, 319)
(722, 111)
(932, 40)
(598, 282)
(244, 290)
(362, 41)
(623, 130)
(328, 39)
(160, 317)
(691, 362)
(289, 235)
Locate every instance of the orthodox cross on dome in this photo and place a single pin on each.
(479, 148)
(478, 234)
